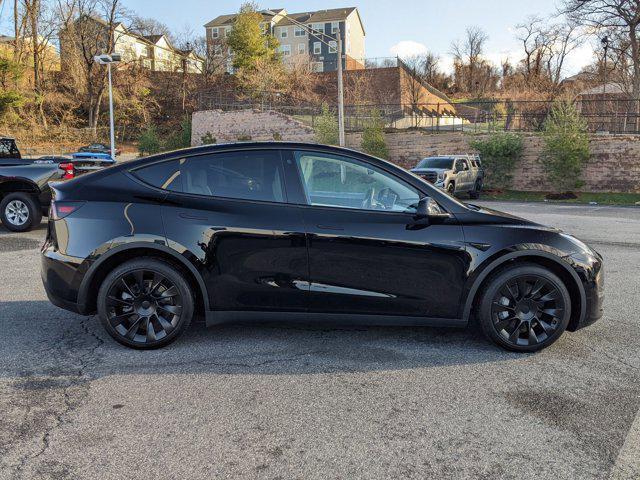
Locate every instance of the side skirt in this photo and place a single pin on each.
(226, 317)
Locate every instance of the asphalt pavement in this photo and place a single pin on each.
(285, 401)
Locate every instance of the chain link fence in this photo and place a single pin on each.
(617, 116)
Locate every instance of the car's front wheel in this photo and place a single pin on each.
(145, 303)
(525, 308)
(19, 212)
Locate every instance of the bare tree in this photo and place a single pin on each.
(88, 33)
(546, 46)
(468, 52)
(619, 19)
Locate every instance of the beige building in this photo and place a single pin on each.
(304, 37)
(153, 52)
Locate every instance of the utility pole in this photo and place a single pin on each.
(319, 36)
(341, 135)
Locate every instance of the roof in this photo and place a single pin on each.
(153, 38)
(610, 88)
(227, 20)
(318, 16)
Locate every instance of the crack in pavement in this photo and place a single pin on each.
(79, 378)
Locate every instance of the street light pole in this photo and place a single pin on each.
(111, 121)
(108, 60)
(341, 135)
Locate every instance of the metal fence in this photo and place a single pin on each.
(612, 116)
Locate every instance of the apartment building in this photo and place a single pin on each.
(153, 52)
(304, 37)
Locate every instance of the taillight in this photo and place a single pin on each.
(69, 171)
(63, 209)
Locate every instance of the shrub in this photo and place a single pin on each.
(149, 141)
(373, 141)
(327, 127)
(277, 136)
(499, 152)
(566, 147)
(208, 139)
(180, 138)
(244, 138)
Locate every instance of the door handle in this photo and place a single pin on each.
(329, 227)
(191, 216)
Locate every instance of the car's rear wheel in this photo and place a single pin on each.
(524, 308)
(145, 303)
(19, 212)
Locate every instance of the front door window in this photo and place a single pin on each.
(336, 181)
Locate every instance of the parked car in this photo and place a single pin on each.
(453, 173)
(24, 183)
(276, 231)
(98, 148)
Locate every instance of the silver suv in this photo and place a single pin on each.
(453, 173)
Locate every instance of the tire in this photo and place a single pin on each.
(524, 308)
(145, 303)
(475, 193)
(20, 212)
(451, 189)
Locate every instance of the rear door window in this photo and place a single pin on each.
(247, 175)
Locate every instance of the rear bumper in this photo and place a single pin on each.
(61, 280)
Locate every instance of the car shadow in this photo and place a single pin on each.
(74, 342)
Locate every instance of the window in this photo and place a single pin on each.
(284, 33)
(318, 27)
(335, 181)
(165, 175)
(214, 32)
(333, 46)
(299, 32)
(249, 175)
(317, 48)
(302, 48)
(217, 50)
(227, 31)
(285, 50)
(334, 27)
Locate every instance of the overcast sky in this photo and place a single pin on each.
(398, 27)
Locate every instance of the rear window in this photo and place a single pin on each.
(436, 163)
(165, 175)
(247, 175)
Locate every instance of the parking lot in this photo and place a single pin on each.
(315, 402)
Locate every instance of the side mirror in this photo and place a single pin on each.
(429, 208)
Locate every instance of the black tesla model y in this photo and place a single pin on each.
(288, 231)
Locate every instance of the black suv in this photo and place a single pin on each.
(276, 231)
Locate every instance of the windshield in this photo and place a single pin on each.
(436, 163)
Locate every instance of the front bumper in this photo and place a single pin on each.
(590, 270)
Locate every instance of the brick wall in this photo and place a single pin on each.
(614, 165)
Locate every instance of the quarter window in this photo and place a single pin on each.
(335, 181)
(249, 175)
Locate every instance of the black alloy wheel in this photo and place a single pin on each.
(145, 303)
(525, 308)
